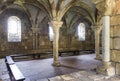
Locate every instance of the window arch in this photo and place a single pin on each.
(51, 34)
(14, 29)
(81, 32)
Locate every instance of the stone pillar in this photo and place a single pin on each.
(56, 26)
(35, 38)
(106, 38)
(105, 9)
(97, 30)
(33, 33)
(107, 66)
(36, 42)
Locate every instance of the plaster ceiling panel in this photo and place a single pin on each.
(33, 11)
(65, 3)
(56, 2)
(15, 6)
(40, 17)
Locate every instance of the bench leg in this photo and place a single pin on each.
(33, 56)
(60, 54)
(38, 56)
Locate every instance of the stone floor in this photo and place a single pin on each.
(74, 68)
(40, 69)
(82, 76)
(4, 76)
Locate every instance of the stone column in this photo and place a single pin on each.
(105, 9)
(106, 38)
(97, 30)
(33, 33)
(36, 44)
(35, 38)
(56, 26)
(107, 67)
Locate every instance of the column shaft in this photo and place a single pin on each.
(97, 30)
(56, 46)
(33, 41)
(97, 44)
(107, 67)
(56, 26)
(106, 38)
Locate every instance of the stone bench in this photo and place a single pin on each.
(14, 71)
(75, 52)
(33, 55)
(18, 76)
(9, 60)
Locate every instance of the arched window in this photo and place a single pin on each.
(51, 34)
(14, 29)
(81, 32)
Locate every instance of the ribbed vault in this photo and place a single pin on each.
(71, 12)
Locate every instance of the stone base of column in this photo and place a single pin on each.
(56, 63)
(106, 69)
(98, 58)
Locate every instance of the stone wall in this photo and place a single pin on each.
(115, 37)
(41, 38)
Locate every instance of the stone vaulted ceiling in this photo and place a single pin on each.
(39, 11)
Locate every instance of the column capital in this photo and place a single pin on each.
(105, 7)
(56, 24)
(96, 27)
(35, 30)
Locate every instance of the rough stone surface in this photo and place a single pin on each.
(115, 36)
(4, 76)
(117, 7)
(90, 76)
(115, 20)
(57, 78)
(117, 68)
(115, 55)
(43, 80)
(75, 76)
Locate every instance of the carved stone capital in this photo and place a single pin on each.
(35, 30)
(105, 7)
(55, 25)
(96, 28)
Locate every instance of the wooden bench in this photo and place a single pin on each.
(14, 70)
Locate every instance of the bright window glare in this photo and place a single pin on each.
(12, 24)
(14, 29)
(81, 31)
(51, 34)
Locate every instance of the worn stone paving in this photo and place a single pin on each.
(82, 76)
(4, 76)
(76, 76)
(43, 68)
